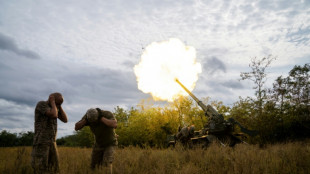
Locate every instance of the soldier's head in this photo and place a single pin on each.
(58, 98)
(92, 115)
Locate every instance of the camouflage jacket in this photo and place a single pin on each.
(104, 135)
(45, 128)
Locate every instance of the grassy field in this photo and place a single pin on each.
(287, 158)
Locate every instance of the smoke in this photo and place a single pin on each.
(161, 63)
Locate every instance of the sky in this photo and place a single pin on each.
(87, 49)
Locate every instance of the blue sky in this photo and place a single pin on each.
(87, 49)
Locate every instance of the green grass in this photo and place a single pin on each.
(287, 158)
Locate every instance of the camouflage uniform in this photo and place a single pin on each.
(185, 135)
(105, 137)
(44, 153)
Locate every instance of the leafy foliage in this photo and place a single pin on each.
(13, 139)
(283, 113)
(82, 138)
(259, 76)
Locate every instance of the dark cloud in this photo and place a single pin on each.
(219, 89)
(213, 65)
(233, 84)
(15, 116)
(301, 36)
(4, 67)
(129, 64)
(20, 83)
(103, 85)
(26, 83)
(7, 43)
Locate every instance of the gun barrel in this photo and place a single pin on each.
(191, 94)
(205, 108)
(209, 110)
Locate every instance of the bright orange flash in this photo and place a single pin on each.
(161, 63)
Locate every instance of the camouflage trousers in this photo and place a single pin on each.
(102, 157)
(45, 158)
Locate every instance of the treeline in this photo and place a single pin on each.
(279, 114)
(146, 125)
(8, 139)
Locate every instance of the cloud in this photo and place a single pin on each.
(213, 65)
(300, 36)
(7, 43)
(16, 116)
(233, 84)
(128, 64)
(26, 83)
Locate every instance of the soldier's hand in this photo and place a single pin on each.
(79, 125)
(51, 99)
(58, 107)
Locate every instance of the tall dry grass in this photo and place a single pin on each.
(247, 159)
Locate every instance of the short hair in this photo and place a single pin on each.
(56, 94)
(58, 97)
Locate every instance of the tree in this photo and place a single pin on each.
(85, 137)
(286, 112)
(279, 93)
(25, 138)
(292, 93)
(182, 105)
(81, 138)
(8, 139)
(121, 115)
(242, 111)
(299, 85)
(258, 76)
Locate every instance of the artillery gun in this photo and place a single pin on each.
(217, 129)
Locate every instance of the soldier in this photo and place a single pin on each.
(44, 152)
(185, 135)
(103, 124)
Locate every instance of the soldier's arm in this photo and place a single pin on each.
(80, 124)
(111, 123)
(52, 112)
(62, 115)
(109, 119)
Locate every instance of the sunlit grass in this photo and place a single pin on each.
(281, 158)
